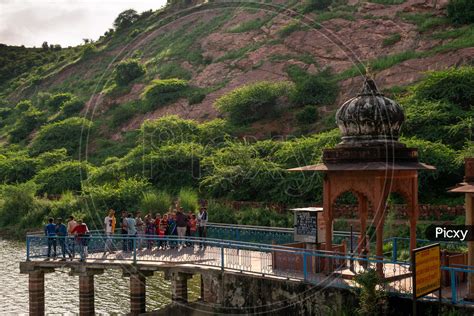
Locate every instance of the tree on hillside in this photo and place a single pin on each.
(126, 18)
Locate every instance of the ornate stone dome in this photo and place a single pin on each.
(370, 119)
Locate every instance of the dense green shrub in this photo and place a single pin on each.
(65, 176)
(69, 134)
(316, 5)
(455, 85)
(126, 19)
(56, 101)
(448, 167)
(237, 172)
(17, 168)
(318, 89)
(171, 166)
(71, 107)
(51, 158)
(263, 217)
(252, 102)
(125, 194)
(221, 213)
(196, 97)
(372, 298)
(26, 122)
(308, 115)
(128, 70)
(214, 133)
(155, 202)
(461, 11)
(15, 202)
(422, 115)
(164, 91)
(167, 130)
(23, 106)
(188, 199)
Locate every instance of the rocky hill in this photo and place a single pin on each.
(220, 46)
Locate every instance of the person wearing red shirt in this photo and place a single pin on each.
(81, 232)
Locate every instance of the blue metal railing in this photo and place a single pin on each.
(266, 259)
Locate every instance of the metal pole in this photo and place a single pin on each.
(395, 250)
(27, 248)
(222, 257)
(134, 250)
(413, 264)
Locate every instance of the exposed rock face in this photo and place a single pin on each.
(369, 118)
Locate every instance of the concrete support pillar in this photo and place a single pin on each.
(137, 289)
(137, 293)
(86, 288)
(211, 288)
(179, 286)
(36, 292)
(86, 295)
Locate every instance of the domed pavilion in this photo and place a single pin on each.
(371, 163)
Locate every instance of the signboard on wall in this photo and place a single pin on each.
(309, 224)
(426, 270)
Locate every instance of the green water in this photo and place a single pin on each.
(62, 290)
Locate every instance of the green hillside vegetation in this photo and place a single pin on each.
(60, 155)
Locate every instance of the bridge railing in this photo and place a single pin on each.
(262, 259)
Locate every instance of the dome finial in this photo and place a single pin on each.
(370, 88)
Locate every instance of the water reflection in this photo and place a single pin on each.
(112, 294)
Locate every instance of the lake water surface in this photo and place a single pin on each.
(112, 295)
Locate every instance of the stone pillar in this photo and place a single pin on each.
(137, 293)
(86, 288)
(211, 288)
(179, 286)
(36, 292)
(86, 295)
(137, 288)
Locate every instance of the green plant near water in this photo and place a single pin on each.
(188, 199)
(155, 202)
(372, 298)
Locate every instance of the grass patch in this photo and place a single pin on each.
(306, 58)
(388, 2)
(329, 15)
(391, 40)
(424, 21)
(240, 52)
(248, 26)
(173, 70)
(290, 28)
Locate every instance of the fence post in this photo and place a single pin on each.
(134, 243)
(222, 256)
(305, 267)
(27, 248)
(395, 250)
(452, 274)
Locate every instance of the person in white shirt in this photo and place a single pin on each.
(202, 224)
(109, 224)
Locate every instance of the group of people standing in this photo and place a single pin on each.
(68, 237)
(146, 229)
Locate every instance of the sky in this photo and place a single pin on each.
(64, 22)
